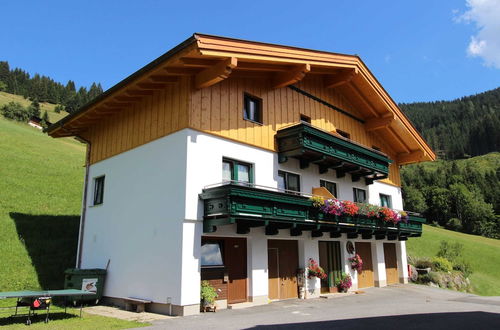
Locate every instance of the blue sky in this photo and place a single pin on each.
(420, 50)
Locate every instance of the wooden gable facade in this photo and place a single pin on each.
(201, 84)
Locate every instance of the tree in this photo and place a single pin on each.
(3, 86)
(45, 119)
(414, 200)
(34, 108)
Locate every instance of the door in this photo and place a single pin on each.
(283, 261)
(391, 263)
(236, 263)
(330, 261)
(365, 278)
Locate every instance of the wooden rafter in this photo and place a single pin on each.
(340, 78)
(125, 98)
(291, 77)
(135, 92)
(397, 139)
(254, 66)
(216, 73)
(378, 123)
(363, 99)
(164, 79)
(151, 86)
(411, 157)
(180, 71)
(198, 62)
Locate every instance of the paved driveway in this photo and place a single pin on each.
(397, 307)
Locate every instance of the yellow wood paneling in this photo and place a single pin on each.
(157, 115)
(218, 110)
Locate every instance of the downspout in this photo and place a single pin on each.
(84, 201)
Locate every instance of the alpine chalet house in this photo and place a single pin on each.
(202, 165)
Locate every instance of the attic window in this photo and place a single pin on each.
(252, 108)
(344, 134)
(98, 190)
(305, 119)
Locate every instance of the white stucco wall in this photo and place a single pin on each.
(139, 225)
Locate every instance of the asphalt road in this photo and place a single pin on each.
(399, 307)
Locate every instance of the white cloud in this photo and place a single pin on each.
(485, 15)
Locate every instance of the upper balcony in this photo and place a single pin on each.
(311, 145)
(250, 206)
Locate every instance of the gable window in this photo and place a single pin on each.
(344, 134)
(385, 200)
(233, 170)
(330, 186)
(98, 190)
(305, 119)
(359, 195)
(252, 108)
(288, 181)
(211, 254)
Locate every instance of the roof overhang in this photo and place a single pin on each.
(211, 59)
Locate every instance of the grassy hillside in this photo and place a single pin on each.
(53, 116)
(482, 253)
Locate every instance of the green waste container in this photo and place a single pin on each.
(86, 279)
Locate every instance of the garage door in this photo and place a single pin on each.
(365, 278)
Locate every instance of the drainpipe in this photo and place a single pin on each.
(84, 201)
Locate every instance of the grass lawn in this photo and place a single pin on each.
(44, 106)
(60, 320)
(41, 182)
(482, 253)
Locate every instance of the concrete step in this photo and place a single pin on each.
(240, 305)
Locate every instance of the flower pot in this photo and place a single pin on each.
(342, 290)
(333, 289)
(422, 271)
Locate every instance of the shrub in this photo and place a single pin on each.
(207, 292)
(450, 251)
(441, 264)
(464, 267)
(454, 224)
(424, 279)
(423, 263)
(15, 111)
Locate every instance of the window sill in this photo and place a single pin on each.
(96, 205)
(254, 122)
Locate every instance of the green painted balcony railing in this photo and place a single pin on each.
(311, 145)
(250, 206)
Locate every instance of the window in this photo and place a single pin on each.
(252, 108)
(288, 181)
(98, 190)
(359, 195)
(211, 254)
(305, 118)
(344, 134)
(385, 200)
(330, 186)
(233, 170)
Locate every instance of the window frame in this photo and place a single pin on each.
(389, 200)
(99, 182)
(258, 101)
(321, 181)
(221, 244)
(355, 196)
(234, 170)
(287, 174)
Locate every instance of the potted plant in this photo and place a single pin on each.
(207, 296)
(343, 283)
(314, 270)
(356, 263)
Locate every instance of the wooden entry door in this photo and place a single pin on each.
(236, 265)
(391, 263)
(365, 279)
(330, 261)
(283, 261)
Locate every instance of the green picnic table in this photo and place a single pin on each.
(39, 300)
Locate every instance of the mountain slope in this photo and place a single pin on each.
(482, 253)
(468, 126)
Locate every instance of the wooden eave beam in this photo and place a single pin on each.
(254, 66)
(164, 79)
(216, 73)
(179, 71)
(291, 77)
(114, 104)
(378, 123)
(363, 100)
(338, 79)
(411, 157)
(125, 98)
(396, 138)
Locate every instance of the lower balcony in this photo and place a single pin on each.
(250, 206)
